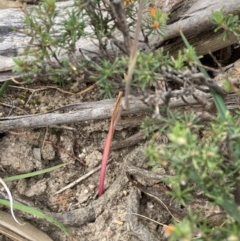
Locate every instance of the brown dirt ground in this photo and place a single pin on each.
(25, 151)
(28, 150)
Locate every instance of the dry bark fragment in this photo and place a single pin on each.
(136, 227)
(195, 23)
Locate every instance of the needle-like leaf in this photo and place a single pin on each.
(218, 100)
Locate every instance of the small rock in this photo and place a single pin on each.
(161, 171)
(67, 142)
(150, 205)
(83, 194)
(48, 152)
(93, 159)
(17, 154)
(36, 189)
(90, 186)
(82, 155)
(125, 193)
(37, 154)
(22, 186)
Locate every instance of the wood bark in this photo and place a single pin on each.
(102, 110)
(9, 4)
(87, 111)
(17, 3)
(194, 21)
(191, 16)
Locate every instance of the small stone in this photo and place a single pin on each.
(36, 189)
(118, 222)
(21, 186)
(37, 153)
(150, 205)
(93, 159)
(67, 142)
(48, 152)
(82, 155)
(17, 155)
(82, 194)
(125, 193)
(124, 134)
(91, 186)
(111, 233)
(161, 171)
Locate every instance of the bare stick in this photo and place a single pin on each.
(86, 111)
(133, 56)
(82, 178)
(120, 16)
(96, 111)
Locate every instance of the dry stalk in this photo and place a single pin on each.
(133, 56)
(115, 117)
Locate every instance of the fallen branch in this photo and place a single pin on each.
(85, 112)
(196, 25)
(72, 184)
(101, 110)
(137, 228)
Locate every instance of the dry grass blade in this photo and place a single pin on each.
(115, 117)
(35, 212)
(25, 232)
(133, 56)
(11, 201)
(25, 208)
(32, 174)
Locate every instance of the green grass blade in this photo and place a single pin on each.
(220, 104)
(37, 213)
(32, 174)
(4, 87)
(218, 100)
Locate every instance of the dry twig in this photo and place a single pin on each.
(72, 184)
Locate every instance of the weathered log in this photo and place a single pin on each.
(86, 111)
(17, 3)
(9, 4)
(196, 25)
(101, 110)
(191, 16)
(13, 43)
